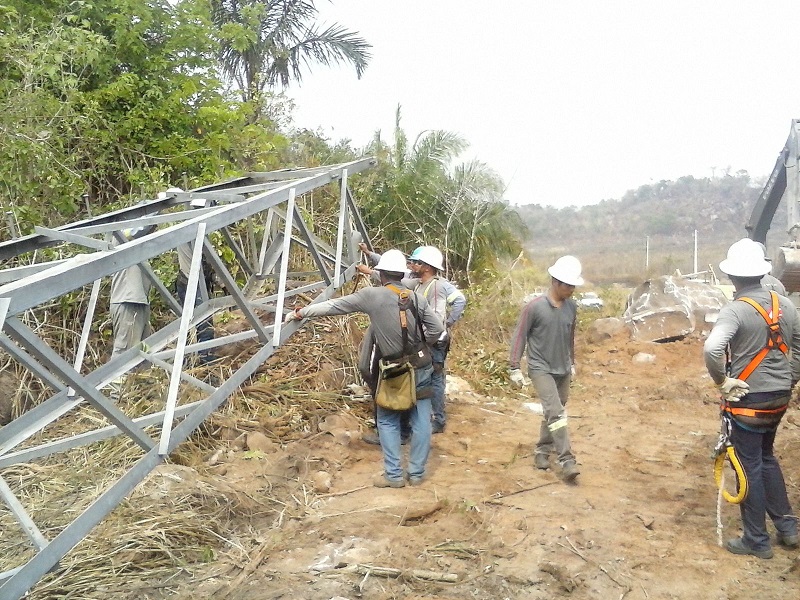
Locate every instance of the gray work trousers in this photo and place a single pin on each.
(131, 323)
(553, 392)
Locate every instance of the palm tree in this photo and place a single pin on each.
(266, 43)
(416, 197)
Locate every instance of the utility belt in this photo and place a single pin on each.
(757, 414)
(419, 357)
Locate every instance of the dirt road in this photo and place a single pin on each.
(640, 524)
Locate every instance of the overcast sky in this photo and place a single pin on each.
(571, 102)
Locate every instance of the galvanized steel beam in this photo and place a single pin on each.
(25, 287)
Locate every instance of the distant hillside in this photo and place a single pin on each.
(611, 237)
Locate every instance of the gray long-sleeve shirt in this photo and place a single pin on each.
(447, 300)
(548, 332)
(741, 326)
(381, 304)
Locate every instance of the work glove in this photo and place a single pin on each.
(517, 378)
(293, 315)
(732, 389)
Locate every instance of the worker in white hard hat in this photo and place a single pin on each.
(426, 264)
(546, 327)
(400, 319)
(755, 365)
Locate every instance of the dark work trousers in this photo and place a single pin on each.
(205, 329)
(438, 383)
(766, 490)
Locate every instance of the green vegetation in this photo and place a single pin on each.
(106, 102)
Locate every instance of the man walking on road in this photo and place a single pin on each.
(759, 334)
(547, 328)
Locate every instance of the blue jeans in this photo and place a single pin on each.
(766, 493)
(389, 433)
(438, 385)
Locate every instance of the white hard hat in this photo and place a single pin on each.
(430, 255)
(392, 260)
(745, 259)
(567, 269)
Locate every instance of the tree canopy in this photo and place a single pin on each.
(105, 102)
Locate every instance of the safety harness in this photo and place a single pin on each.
(432, 285)
(775, 339)
(774, 342)
(724, 449)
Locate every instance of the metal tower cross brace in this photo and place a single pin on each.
(266, 199)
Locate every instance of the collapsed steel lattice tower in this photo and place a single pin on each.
(268, 199)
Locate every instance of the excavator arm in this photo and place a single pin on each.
(782, 182)
(768, 201)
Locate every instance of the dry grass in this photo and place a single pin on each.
(158, 534)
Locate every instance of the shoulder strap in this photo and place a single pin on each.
(402, 295)
(774, 337)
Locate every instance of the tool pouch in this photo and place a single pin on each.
(397, 386)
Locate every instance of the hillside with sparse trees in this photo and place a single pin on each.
(612, 237)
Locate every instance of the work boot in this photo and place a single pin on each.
(414, 480)
(789, 541)
(569, 471)
(541, 461)
(371, 438)
(382, 482)
(737, 546)
(437, 427)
